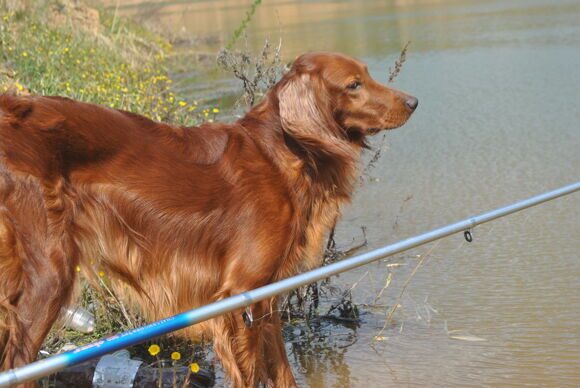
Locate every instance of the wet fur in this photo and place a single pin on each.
(179, 217)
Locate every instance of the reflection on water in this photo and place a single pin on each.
(318, 348)
(498, 122)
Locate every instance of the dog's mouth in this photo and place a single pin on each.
(391, 122)
(356, 133)
(375, 130)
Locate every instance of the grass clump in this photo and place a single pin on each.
(58, 47)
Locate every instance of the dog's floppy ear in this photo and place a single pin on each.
(300, 111)
(306, 116)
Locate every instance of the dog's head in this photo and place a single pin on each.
(330, 94)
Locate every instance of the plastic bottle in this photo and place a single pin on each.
(79, 319)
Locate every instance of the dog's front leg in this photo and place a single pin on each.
(279, 372)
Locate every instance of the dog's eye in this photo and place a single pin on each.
(355, 85)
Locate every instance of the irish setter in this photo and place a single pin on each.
(181, 217)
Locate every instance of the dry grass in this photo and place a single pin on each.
(257, 72)
(394, 71)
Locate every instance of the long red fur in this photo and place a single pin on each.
(180, 217)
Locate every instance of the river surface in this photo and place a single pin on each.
(498, 121)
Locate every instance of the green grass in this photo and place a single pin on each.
(243, 24)
(121, 66)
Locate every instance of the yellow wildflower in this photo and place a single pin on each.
(24, 54)
(102, 273)
(182, 103)
(176, 356)
(216, 110)
(154, 350)
(78, 268)
(194, 367)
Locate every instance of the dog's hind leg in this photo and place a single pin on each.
(223, 328)
(248, 349)
(33, 289)
(11, 286)
(36, 273)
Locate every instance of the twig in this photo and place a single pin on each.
(355, 248)
(357, 282)
(394, 72)
(244, 24)
(121, 305)
(387, 283)
(257, 73)
(404, 288)
(373, 161)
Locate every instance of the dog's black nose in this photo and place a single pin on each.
(412, 103)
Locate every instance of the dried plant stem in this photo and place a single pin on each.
(174, 380)
(387, 284)
(373, 160)
(258, 73)
(394, 72)
(160, 381)
(391, 312)
(357, 282)
(119, 302)
(244, 23)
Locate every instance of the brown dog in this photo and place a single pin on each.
(181, 217)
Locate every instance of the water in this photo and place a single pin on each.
(498, 121)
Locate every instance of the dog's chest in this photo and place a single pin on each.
(323, 218)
